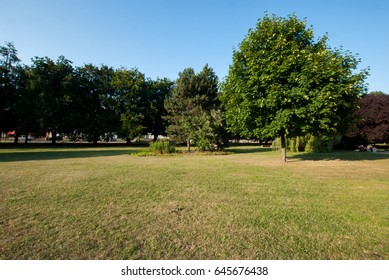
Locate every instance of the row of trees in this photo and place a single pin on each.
(92, 102)
(88, 101)
(283, 83)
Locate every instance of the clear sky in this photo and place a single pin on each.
(163, 37)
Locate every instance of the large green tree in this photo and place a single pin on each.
(27, 105)
(53, 83)
(93, 88)
(194, 111)
(284, 83)
(159, 90)
(130, 94)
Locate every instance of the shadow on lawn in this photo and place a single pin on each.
(247, 148)
(339, 155)
(49, 154)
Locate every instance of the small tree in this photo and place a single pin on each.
(284, 84)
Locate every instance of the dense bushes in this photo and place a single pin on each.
(162, 147)
(308, 143)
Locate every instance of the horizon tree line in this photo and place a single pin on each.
(91, 103)
(85, 101)
(282, 83)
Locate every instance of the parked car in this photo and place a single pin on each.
(23, 138)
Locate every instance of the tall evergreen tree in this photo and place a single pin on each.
(194, 109)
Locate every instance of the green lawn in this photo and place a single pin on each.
(102, 203)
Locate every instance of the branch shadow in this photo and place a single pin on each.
(340, 155)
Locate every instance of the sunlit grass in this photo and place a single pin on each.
(102, 203)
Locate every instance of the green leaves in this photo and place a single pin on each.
(139, 102)
(194, 109)
(281, 80)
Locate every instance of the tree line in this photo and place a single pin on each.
(283, 83)
(92, 103)
(85, 102)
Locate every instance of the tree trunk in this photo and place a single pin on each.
(16, 135)
(53, 137)
(188, 146)
(95, 140)
(283, 147)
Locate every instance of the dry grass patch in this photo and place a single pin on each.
(104, 204)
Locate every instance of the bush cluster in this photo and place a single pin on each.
(162, 147)
(308, 143)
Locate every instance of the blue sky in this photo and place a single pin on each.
(163, 37)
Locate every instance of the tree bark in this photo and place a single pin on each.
(283, 147)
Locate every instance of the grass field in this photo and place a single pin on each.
(102, 203)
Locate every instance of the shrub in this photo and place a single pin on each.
(321, 144)
(308, 143)
(162, 147)
(295, 144)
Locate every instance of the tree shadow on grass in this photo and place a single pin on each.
(247, 149)
(52, 154)
(339, 155)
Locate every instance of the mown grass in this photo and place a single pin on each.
(102, 203)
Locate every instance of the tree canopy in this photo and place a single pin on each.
(373, 119)
(284, 83)
(87, 102)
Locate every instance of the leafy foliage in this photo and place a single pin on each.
(308, 143)
(53, 84)
(373, 124)
(86, 102)
(129, 90)
(284, 84)
(94, 88)
(158, 91)
(194, 110)
(162, 147)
